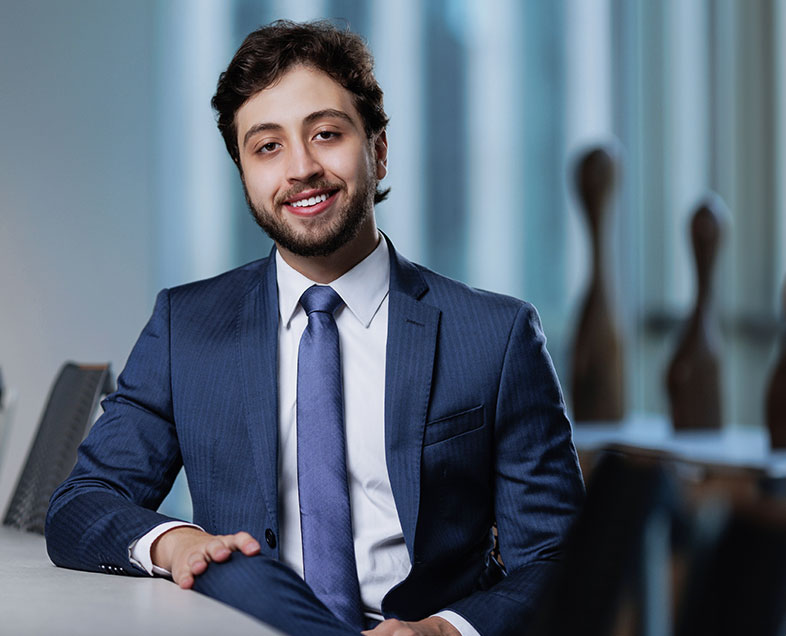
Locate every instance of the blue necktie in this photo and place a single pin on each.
(328, 546)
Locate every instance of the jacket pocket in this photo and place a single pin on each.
(453, 425)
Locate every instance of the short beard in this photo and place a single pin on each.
(323, 237)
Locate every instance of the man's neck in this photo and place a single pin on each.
(326, 269)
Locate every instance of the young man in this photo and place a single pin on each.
(343, 415)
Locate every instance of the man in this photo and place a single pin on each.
(342, 414)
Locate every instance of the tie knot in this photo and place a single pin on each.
(320, 298)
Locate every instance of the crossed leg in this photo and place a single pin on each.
(271, 592)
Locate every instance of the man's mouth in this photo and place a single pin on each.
(306, 203)
(310, 203)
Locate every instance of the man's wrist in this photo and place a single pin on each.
(459, 625)
(444, 626)
(139, 550)
(163, 549)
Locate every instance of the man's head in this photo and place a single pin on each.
(301, 115)
(272, 50)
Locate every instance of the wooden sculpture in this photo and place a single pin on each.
(597, 384)
(776, 392)
(693, 378)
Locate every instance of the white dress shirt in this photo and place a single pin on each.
(380, 551)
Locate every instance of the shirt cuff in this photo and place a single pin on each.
(459, 622)
(139, 550)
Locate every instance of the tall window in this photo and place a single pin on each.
(492, 101)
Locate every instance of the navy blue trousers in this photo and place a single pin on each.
(271, 592)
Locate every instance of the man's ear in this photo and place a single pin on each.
(381, 154)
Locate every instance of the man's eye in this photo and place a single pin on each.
(327, 134)
(268, 147)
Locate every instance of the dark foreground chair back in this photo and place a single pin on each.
(737, 582)
(68, 414)
(619, 541)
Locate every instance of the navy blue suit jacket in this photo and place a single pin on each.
(475, 432)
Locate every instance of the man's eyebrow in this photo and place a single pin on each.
(328, 113)
(257, 128)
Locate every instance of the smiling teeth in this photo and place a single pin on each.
(307, 203)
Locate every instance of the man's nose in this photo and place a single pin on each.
(303, 165)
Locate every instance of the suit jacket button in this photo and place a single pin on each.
(270, 537)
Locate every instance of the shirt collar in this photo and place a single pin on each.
(362, 288)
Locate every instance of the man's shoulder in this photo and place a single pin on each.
(233, 284)
(455, 296)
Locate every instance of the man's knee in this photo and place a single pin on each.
(271, 592)
(239, 573)
(256, 583)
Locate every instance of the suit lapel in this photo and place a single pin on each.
(411, 346)
(258, 344)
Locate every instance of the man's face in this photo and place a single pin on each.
(309, 171)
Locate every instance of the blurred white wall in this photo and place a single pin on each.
(114, 182)
(76, 213)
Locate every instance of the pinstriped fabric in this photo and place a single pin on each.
(180, 400)
(493, 441)
(475, 428)
(223, 374)
(258, 584)
(328, 548)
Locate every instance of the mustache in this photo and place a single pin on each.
(319, 184)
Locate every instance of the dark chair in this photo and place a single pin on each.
(613, 569)
(68, 414)
(737, 582)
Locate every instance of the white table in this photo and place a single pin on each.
(732, 446)
(38, 598)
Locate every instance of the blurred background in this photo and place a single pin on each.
(114, 181)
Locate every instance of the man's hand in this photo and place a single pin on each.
(431, 626)
(186, 551)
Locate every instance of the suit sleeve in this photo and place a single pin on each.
(538, 487)
(125, 466)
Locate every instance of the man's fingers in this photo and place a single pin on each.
(198, 566)
(389, 627)
(251, 547)
(221, 547)
(183, 576)
(218, 550)
(194, 557)
(194, 566)
(431, 626)
(244, 542)
(186, 582)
